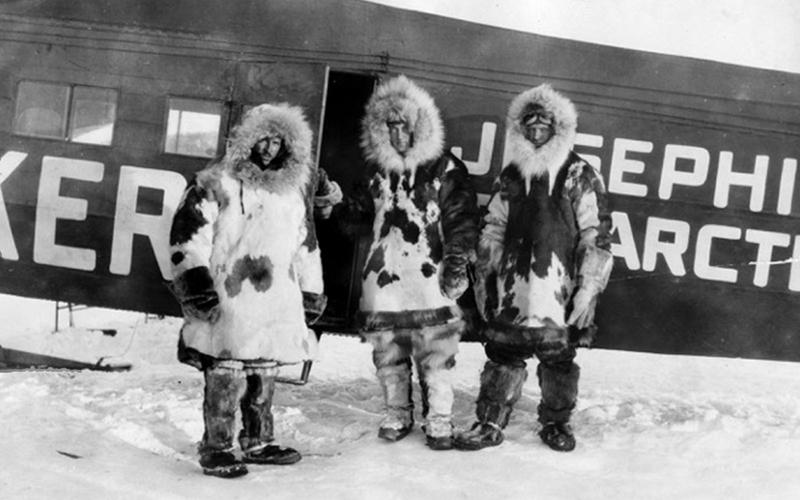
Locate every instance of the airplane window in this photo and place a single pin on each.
(41, 109)
(193, 127)
(93, 113)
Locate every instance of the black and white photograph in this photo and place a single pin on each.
(399, 249)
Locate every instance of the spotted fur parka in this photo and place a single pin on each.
(244, 251)
(423, 213)
(547, 227)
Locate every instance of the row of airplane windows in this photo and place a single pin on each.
(86, 115)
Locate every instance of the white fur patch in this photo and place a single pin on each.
(587, 212)
(403, 259)
(540, 298)
(440, 392)
(309, 270)
(267, 324)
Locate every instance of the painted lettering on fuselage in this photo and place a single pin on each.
(52, 207)
(637, 171)
(685, 245)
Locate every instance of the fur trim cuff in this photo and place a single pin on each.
(385, 320)
(515, 335)
(596, 268)
(314, 305)
(194, 283)
(332, 197)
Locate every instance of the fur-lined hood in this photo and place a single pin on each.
(532, 161)
(401, 96)
(283, 120)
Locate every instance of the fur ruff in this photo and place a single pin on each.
(402, 96)
(532, 161)
(285, 121)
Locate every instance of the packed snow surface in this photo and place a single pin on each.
(648, 426)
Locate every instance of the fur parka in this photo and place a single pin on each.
(423, 213)
(244, 250)
(547, 227)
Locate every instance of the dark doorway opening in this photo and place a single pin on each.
(340, 156)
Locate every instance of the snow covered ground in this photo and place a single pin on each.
(648, 426)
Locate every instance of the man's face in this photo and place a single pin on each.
(268, 148)
(399, 136)
(538, 127)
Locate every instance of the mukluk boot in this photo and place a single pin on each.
(558, 436)
(559, 386)
(257, 421)
(439, 433)
(480, 435)
(501, 388)
(398, 420)
(435, 350)
(223, 386)
(394, 428)
(437, 404)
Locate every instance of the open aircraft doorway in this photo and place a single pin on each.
(340, 156)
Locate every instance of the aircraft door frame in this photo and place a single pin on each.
(299, 84)
(343, 255)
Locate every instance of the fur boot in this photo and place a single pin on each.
(257, 421)
(501, 388)
(223, 388)
(558, 436)
(437, 398)
(559, 386)
(435, 355)
(395, 381)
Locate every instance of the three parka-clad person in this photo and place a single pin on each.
(248, 276)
